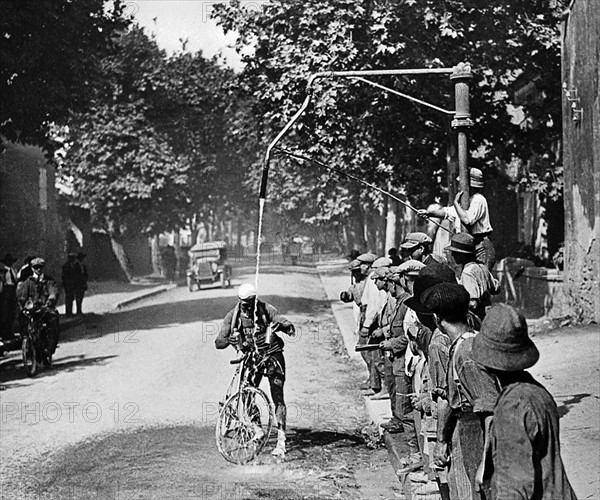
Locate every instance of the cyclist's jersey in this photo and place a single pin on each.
(238, 320)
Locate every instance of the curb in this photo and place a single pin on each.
(379, 411)
(144, 295)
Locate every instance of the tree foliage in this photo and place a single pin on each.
(387, 140)
(50, 53)
(151, 153)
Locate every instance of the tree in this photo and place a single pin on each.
(387, 140)
(152, 152)
(50, 53)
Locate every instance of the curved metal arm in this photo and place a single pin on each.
(336, 74)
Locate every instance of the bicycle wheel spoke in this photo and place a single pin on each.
(244, 425)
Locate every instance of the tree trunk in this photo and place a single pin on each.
(156, 258)
(177, 244)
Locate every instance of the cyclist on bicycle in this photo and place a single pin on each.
(240, 331)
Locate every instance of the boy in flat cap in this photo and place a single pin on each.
(395, 346)
(471, 392)
(418, 247)
(373, 301)
(524, 437)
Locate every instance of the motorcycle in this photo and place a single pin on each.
(36, 338)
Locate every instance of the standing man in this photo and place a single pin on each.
(260, 338)
(471, 392)
(81, 282)
(524, 437)
(8, 296)
(169, 262)
(70, 270)
(475, 218)
(475, 276)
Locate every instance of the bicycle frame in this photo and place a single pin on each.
(243, 373)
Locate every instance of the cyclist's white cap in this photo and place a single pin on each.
(246, 291)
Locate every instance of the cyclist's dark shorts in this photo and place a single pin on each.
(275, 366)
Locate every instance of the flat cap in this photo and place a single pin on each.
(367, 258)
(354, 264)
(382, 262)
(414, 239)
(38, 261)
(381, 273)
(411, 267)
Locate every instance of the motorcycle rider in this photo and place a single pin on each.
(41, 291)
(240, 331)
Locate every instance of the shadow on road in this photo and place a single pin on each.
(12, 369)
(180, 313)
(566, 405)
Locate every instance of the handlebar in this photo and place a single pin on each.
(263, 354)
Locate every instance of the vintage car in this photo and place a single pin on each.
(208, 265)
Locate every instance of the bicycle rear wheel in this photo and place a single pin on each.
(244, 425)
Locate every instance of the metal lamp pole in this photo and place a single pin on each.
(461, 75)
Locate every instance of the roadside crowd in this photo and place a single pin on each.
(476, 424)
(30, 286)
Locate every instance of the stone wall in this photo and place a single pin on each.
(581, 138)
(30, 223)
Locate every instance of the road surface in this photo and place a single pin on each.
(129, 409)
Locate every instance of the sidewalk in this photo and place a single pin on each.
(335, 278)
(104, 297)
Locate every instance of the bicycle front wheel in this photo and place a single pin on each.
(244, 425)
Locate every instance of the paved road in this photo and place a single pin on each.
(129, 409)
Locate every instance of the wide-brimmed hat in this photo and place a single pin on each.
(446, 300)
(414, 239)
(421, 284)
(462, 243)
(503, 342)
(475, 178)
(367, 258)
(439, 270)
(8, 259)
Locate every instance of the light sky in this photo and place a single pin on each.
(183, 19)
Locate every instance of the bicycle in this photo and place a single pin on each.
(247, 414)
